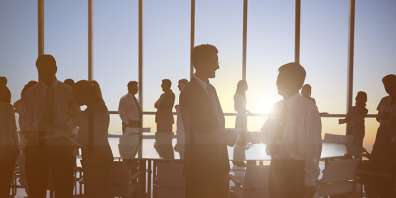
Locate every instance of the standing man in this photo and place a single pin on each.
(164, 106)
(50, 114)
(206, 157)
(293, 135)
(129, 108)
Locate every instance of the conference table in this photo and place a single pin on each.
(152, 153)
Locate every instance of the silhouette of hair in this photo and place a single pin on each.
(183, 81)
(91, 93)
(132, 84)
(5, 94)
(201, 53)
(27, 86)
(3, 80)
(69, 82)
(167, 83)
(293, 73)
(241, 87)
(47, 62)
(306, 90)
(361, 95)
(388, 80)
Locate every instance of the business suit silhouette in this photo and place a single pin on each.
(206, 158)
(164, 116)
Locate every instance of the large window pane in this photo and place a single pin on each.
(18, 19)
(375, 48)
(66, 37)
(225, 32)
(166, 49)
(324, 47)
(115, 50)
(270, 44)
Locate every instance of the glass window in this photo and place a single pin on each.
(166, 49)
(18, 22)
(66, 37)
(270, 44)
(115, 49)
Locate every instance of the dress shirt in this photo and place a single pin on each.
(8, 134)
(50, 112)
(211, 91)
(129, 109)
(294, 128)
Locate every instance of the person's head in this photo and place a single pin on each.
(69, 82)
(306, 90)
(166, 84)
(242, 87)
(205, 60)
(46, 67)
(182, 83)
(88, 93)
(133, 87)
(290, 79)
(3, 81)
(5, 95)
(389, 82)
(26, 87)
(361, 98)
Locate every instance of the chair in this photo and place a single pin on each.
(169, 180)
(254, 184)
(339, 177)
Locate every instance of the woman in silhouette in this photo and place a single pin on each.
(93, 133)
(240, 122)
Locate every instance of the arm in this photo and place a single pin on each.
(122, 110)
(314, 147)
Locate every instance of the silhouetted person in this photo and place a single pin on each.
(293, 135)
(20, 108)
(50, 113)
(206, 156)
(240, 122)
(306, 91)
(97, 157)
(5, 91)
(129, 108)
(164, 106)
(384, 150)
(69, 82)
(180, 133)
(355, 120)
(8, 143)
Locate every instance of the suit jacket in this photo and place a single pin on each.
(164, 108)
(206, 160)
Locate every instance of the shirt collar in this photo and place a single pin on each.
(202, 83)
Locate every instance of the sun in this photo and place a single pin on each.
(263, 104)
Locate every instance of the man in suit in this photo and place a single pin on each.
(129, 108)
(206, 157)
(164, 106)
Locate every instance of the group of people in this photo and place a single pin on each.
(53, 124)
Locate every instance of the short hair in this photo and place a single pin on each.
(167, 82)
(183, 81)
(389, 79)
(46, 60)
(69, 82)
(295, 73)
(3, 80)
(361, 94)
(27, 87)
(202, 52)
(132, 83)
(5, 94)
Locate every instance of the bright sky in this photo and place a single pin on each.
(324, 36)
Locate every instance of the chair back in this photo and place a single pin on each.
(170, 181)
(338, 177)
